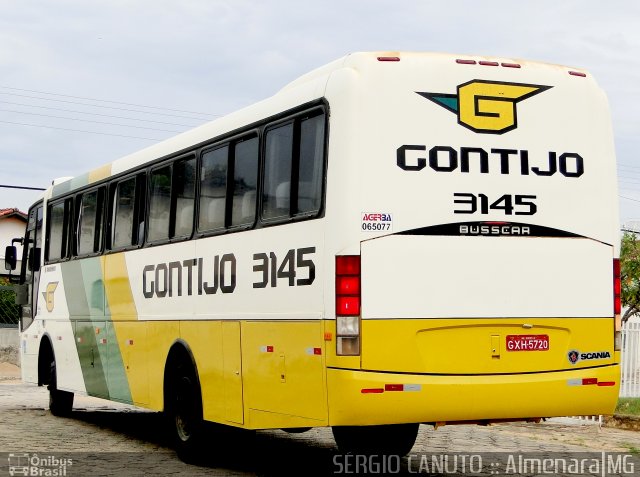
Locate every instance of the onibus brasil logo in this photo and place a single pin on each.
(487, 107)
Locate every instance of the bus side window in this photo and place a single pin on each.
(293, 169)
(213, 189)
(184, 194)
(127, 212)
(159, 204)
(311, 164)
(245, 179)
(58, 230)
(89, 223)
(276, 194)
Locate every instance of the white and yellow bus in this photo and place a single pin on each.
(391, 239)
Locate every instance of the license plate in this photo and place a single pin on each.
(527, 342)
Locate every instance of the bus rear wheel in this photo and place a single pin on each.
(60, 402)
(184, 411)
(390, 439)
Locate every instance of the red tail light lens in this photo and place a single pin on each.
(348, 285)
(617, 306)
(348, 265)
(347, 305)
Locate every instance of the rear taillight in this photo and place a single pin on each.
(617, 305)
(348, 305)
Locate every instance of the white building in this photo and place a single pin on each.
(12, 225)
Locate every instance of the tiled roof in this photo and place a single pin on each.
(11, 212)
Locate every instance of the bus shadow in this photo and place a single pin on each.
(142, 425)
(263, 453)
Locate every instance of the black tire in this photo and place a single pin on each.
(390, 439)
(184, 412)
(60, 402)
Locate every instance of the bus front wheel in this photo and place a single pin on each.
(60, 402)
(390, 439)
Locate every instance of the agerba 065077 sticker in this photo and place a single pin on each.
(377, 222)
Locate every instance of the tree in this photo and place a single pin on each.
(9, 311)
(630, 275)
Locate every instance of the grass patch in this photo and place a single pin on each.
(632, 449)
(629, 406)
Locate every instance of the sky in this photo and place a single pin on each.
(83, 83)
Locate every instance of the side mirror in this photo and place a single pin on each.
(10, 258)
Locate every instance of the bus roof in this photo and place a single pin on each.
(308, 87)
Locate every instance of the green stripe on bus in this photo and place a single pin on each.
(93, 287)
(88, 336)
(74, 286)
(96, 343)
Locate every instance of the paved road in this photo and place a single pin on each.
(104, 438)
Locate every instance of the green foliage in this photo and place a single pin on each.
(628, 406)
(9, 311)
(630, 274)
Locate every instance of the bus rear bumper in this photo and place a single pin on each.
(369, 398)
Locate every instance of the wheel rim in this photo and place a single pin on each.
(184, 414)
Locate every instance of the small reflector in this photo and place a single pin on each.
(578, 73)
(607, 383)
(466, 62)
(587, 381)
(489, 63)
(372, 391)
(328, 336)
(511, 65)
(317, 351)
(394, 387)
(388, 58)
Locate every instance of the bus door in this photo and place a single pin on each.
(31, 262)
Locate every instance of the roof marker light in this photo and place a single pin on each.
(466, 62)
(489, 63)
(578, 73)
(388, 58)
(511, 65)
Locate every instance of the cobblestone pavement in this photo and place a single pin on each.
(105, 438)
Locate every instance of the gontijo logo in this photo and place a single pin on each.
(486, 106)
(49, 295)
